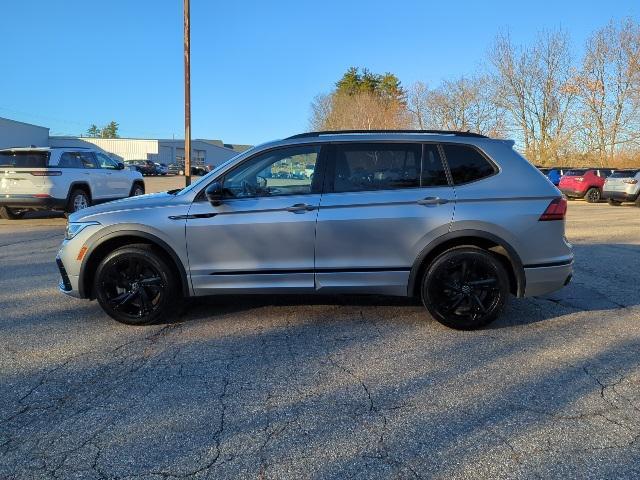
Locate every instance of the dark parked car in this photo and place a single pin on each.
(145, 167)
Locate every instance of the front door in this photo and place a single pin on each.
(383, 203)
(261, 237)
(118, 180)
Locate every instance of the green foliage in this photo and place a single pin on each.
(110, 130)
(385, 86)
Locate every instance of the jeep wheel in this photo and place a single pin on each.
(136, 190)
(78, 200)
(7, 213)
(134, 285)
(593, 195)
(465, 288)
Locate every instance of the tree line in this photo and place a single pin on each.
(560, 109)
(110, 130)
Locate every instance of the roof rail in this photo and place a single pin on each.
(346, 132)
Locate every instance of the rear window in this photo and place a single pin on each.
(467, 164)
(624, 173)
(24, 159)
(575, 173)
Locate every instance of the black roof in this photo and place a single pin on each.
(346, 132)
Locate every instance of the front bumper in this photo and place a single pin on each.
(570, 192)
(546, 279)
(619, 196)
(32, 202)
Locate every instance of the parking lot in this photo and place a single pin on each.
(323, 387)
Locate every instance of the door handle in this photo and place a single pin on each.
(432, 201)
(300, 208)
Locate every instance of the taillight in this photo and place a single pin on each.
(46, 173)
(632, 181)
(556, 210)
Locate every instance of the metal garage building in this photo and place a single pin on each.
(203, 152)
(19, 134)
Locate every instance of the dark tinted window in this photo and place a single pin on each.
(624, 173)
(575, 172)
(466, 163)
(24, 159)
(70, 160)
(379, 166)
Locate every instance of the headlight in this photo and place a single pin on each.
(74, 228)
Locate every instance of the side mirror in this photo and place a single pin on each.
(214, 193)
(120, 166)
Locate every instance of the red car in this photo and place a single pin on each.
(584, 183)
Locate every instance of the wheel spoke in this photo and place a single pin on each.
(146, 303)
(455, 304)
(122, 299)
(480, 283)
(151, 281)
(478, 302)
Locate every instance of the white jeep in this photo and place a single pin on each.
(67, 179)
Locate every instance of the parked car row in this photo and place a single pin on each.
(178, 169)
(147, 167)
(596, 184)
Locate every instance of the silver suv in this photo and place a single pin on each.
(457, 219)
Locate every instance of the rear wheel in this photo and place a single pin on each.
(7, 213)
(78, 200)
(614, 203)
(465, 288)
(136, 286)
(592, 195)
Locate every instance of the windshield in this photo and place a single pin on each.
(624, 174)
(212, 173)
(24, 159)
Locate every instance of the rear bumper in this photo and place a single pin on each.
(546, 279)
(32, 202)
(570, 192)
(619, 196)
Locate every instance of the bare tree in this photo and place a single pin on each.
(465, 104)
(417, 98)
(609, 89)
(535, 85)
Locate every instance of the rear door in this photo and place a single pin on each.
(383, 202)
(22, 172)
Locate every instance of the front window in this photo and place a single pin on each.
(285, 171)
(106, 162)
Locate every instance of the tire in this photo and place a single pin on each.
(7, 213)
(136, 190)
(465, 288)
(614, 203)
(78, 200)
(593, 195)
(136, 286)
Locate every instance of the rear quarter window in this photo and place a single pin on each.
(467, 164)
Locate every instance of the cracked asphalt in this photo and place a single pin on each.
(324, 387)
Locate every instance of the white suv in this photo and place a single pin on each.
(67, 179)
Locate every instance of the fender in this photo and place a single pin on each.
(142, 235)
(512, 255)
(84, 185)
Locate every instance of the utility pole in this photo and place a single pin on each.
(187, 93)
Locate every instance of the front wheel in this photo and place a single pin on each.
(7, 213)
(465, 288)
(78, 200)
(136, 286)
(593, 195)
(136, 190)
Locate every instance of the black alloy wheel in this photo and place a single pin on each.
(134, 285)
(593, 195)
(465, 288)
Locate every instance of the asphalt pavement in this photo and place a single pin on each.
(324, 387)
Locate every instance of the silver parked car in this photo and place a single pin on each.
(457, 219)
(622, 186)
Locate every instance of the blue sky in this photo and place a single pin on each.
(256, 65)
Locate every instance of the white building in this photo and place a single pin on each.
(203, 152)
(19, 134)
